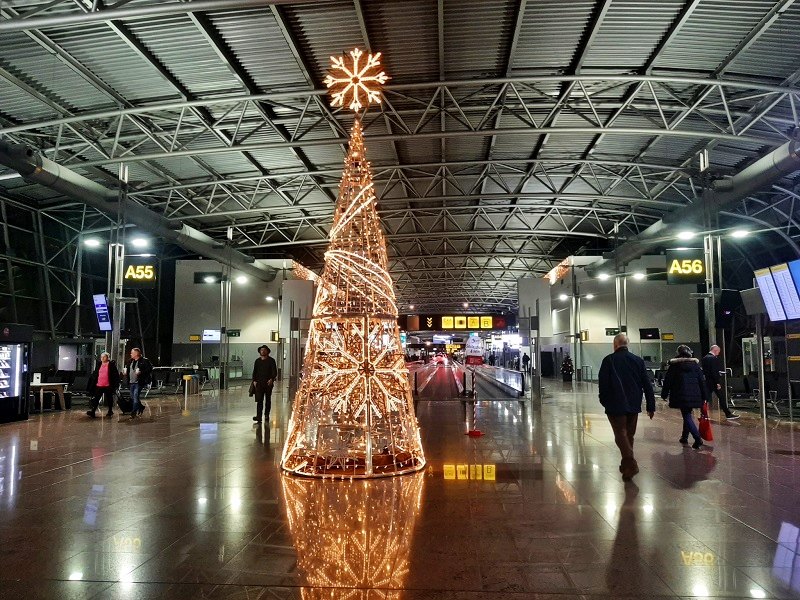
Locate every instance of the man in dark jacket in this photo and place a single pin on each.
(622, 381)
(138, 374)
(712, 366)
(265, 371)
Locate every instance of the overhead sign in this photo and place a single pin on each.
(667, 337)
(195, 337)
(139, 272)
(687, 265)
(234, 332)
(611, 331)
(454, 321)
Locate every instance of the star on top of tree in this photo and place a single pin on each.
(362, 83)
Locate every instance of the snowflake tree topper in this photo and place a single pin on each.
(349, 79)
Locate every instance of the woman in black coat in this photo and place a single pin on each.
(685, 386)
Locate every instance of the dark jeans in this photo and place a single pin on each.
(723, 400)
(689, 426)
(136, 389)
(624, 427)
(263, 400)
(107, 393)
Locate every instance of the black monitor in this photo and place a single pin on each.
(753, 302)
(649, 333)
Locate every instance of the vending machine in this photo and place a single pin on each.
(15, 348)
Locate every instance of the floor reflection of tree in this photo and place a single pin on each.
(353, 535)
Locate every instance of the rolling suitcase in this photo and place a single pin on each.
(125, 404)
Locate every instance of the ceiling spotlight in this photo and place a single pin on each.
(210, 279)
(241, 279)
(411, 307)
(269, 298)
(91, 242)
(739, 233)
(589, 296)
(466, 305)
(562, 297)
(638, 276)
(603, 276)
(139, 242)
(686, 235)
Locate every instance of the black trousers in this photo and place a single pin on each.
(263, 400)
(107, 393)
(723, 400)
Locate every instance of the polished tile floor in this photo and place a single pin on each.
(192, 504)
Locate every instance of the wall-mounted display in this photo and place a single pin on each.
(102, 312)
(787, 291)
(769, 293)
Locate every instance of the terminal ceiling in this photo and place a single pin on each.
(513, 133)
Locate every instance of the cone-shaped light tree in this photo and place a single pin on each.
(353, 415)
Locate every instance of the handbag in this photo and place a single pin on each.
(705, 424)
(252, 391)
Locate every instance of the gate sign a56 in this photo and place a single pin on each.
(686, 266)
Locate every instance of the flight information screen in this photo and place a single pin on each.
(766, 285)
(787, 291)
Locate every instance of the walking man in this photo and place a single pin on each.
(712, 366)
(622, 381)
(138, 374)
(265, 371)
(526, 360)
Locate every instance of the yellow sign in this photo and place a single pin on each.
(195, 337)
(686, 267)
(668, 337)
(140, 273)
(488, 472)
(473, 322)
(793, 336)
(429, 321)
(461, 471)
(447, 322)
(461, 322)
(475, 472)
(486, 322)
(449, 471)
(794, 359)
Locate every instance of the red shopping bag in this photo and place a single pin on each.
(705, 424)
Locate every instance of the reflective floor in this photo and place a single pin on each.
(192, 505)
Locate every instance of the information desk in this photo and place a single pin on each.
(58, 388)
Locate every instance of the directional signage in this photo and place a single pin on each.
(234, 332)
(687, 265)
(139, 272)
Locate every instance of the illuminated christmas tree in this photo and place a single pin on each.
(353, 414)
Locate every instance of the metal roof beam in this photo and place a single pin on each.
(160, 9)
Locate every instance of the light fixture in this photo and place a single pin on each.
(589, 296)
(603, 276)
(91, 242)
(466, 305)
(210, 279)
(241, 279)
(739, 233)
(686, 235)
(269, 298)
(140, 242)
(562, 297)
(411, 307)
(638, 276)
(757, 593)
(75, 576)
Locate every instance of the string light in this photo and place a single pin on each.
(353, 413)
(356, 80)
